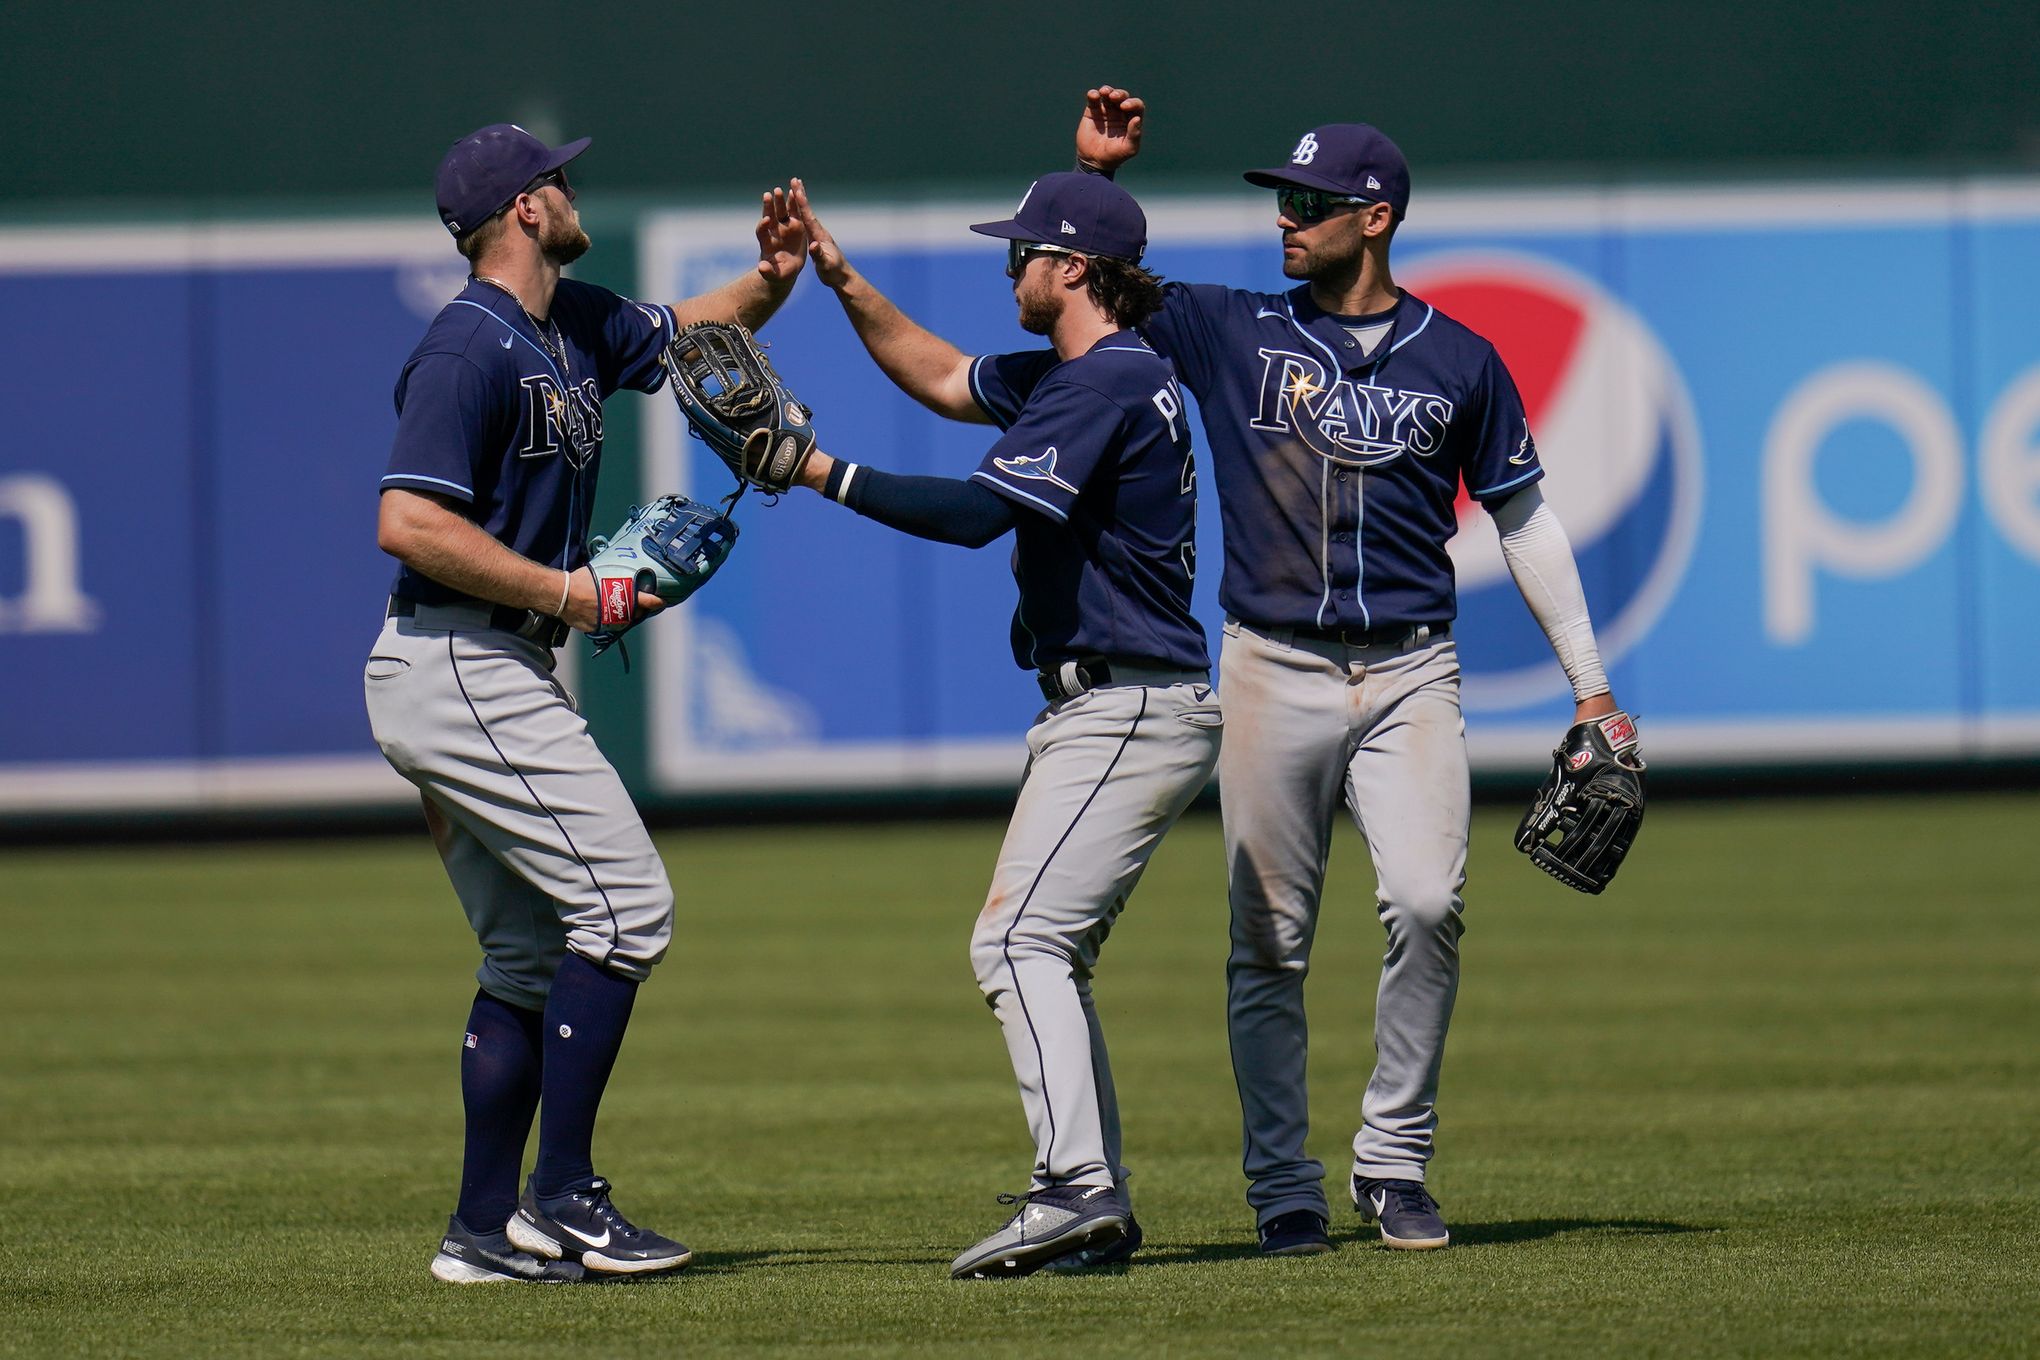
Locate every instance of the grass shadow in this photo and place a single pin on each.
(1515, 1231)
(1463, 1235)
(734, 1262)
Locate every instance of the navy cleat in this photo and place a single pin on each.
(468, 1257)
(1300, 1232)
(1059, 1221)
(1103, 1258)
(1408, 1215)
(584, 1226)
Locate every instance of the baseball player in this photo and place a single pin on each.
(1093, 476)
(1343, 417)
(486, 505)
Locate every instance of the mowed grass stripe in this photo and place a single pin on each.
(1775, 1093)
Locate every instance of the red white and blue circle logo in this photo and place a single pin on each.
(1622, 463)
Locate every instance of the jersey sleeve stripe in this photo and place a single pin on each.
(1531, 475)
(1013, 492)
(434, 481)
(977, 392)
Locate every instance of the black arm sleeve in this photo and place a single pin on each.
(939, 508)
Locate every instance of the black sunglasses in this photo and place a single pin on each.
(556, 178)
(1017, 253)
(1307, 206)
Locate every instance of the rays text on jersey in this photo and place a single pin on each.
(1343, 420)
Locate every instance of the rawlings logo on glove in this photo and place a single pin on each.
(735, 403)
(669, 548)
(1586, 813)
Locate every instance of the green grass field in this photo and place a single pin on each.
(1777, 1093)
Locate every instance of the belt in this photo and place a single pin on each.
(1401, 635)
(1073, 678)
(472, 615)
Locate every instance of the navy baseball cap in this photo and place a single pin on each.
(485, 170)
(1083, 212)
(1350, 159)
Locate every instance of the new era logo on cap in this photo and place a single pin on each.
(1088, 213)
(1373, 183)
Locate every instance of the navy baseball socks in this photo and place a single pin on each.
(565, 1212)
(1408, 1216)
(585, 1016)
(499, 1083)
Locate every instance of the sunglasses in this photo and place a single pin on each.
(1307, 206)
(1018, 253)
(556, 179)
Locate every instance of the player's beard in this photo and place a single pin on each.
(1328, 256)
(1038, 310)
(562, 239)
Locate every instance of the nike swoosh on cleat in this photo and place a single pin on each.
(1380, 1203)
(601, 1241)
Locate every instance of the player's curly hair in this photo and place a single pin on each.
(1128, 293)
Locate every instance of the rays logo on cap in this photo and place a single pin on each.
(1621, 454)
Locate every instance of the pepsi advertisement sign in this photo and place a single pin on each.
(1805, 500)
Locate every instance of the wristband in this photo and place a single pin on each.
(837, 488)
(566, 586)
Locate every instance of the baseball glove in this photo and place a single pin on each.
(668, 548)
(1587, 811)
(735, 403)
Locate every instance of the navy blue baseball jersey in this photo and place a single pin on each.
(1097, 450)
(506, 417)
(1339, 456)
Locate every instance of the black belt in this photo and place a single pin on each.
(543, 629)
(1072, 678)
(1384, 635)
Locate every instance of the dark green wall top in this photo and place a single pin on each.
(214, 102)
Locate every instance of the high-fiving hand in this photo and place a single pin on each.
(782, 239)
(830, 266)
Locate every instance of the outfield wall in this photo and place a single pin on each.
(1794, 432)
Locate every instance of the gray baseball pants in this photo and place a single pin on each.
(1108, 774)
(1311, 724)
(545, 849)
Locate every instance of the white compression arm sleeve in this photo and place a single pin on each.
(1540, 557)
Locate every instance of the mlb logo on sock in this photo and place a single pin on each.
(469, 1042)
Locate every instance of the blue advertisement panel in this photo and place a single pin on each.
(188, 572)
(1794, 435)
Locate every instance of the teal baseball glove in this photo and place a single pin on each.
(669, 548)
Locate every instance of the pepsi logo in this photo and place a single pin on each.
(1612, 424)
